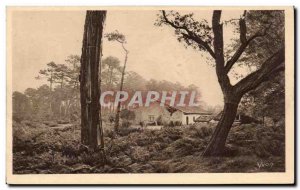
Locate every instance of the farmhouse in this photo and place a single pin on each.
(165, 115)
(190, 115)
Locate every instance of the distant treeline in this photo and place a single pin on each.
(60, 98)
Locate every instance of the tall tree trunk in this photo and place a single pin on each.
(51, 81)
(62, 81)
(50, 93)
(117, 119)
(110, 88)
(89, 81)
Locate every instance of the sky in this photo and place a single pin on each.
(39, 37)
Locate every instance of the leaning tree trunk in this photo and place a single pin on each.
(89, 81)
(216, 146)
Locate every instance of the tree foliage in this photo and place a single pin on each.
(111, 72)
(197, 34)
(268, 100)
(59, 99)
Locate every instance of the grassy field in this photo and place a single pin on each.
(39, 148)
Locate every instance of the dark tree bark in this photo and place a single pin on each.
(91, 125)
(216, 145)
(232, 93)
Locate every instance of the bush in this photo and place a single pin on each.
(201, 132)
(126, 131)
(171, 124)
(109, 133)
(178, 123)
(125, 124)
(159, 120)
(142, 123)
(254, 139)
(17, 118)
(269, 142)
(238, 164)
(92, 159)
(162, 167)
(50, 123)
(183, 147)
(62, 122)
(172, 133)
(140, 154)
(127, 114)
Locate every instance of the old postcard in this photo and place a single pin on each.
(150, 95)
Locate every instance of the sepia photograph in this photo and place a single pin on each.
(150, 95)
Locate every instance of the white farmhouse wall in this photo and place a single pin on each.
(191, 118)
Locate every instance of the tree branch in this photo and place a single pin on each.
(272, 65)
(244, 43)
(189, 34)
(218, 43)
(218, 39)
(201, 43)
(243, 29)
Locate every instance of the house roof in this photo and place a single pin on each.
(192, 110)
(187, 109)
(184, 109)
(204, 118)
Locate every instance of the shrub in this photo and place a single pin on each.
(125, 124)
(171, 124)
(162, 167)
(172, 133)
(127, 114)
(269, 142)
(63, 122)
(17, 118)
(183, 147)
(127, 131)
(238, 164)
(201, 132)
(50, 123)
(109, 133)
(92, 159)
(178, 123)
(140, 154)
(159, 120)
(142, 123)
